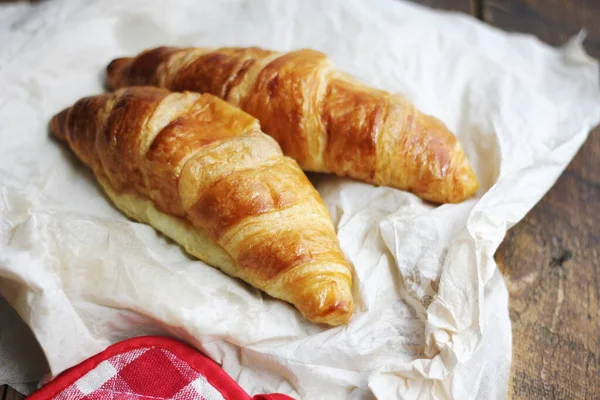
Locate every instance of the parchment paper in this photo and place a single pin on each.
(432, 317)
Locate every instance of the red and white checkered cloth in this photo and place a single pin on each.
(147, 368)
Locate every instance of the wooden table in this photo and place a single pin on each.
(551, 259)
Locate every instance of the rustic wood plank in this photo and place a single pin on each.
(466, 6)
(12, 394)
(585, 165)
(553, 21)
(551, 259)
(551, 265)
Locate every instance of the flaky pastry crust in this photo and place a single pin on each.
(324, 119)
(202, 172)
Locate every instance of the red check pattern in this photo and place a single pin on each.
(147, 368)
(149, 373)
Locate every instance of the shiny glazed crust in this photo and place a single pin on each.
(321, 117)
(202, 172)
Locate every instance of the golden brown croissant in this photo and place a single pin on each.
(202, 172)
(321, 117)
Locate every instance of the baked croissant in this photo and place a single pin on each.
(321, 117)
(202, 172)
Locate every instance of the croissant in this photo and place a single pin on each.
(202, 172)
(321, 117)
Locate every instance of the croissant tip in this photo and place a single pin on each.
(466, 180)
(339, 313)
(458, 185)
(336, 306)
(115, 71)
(57, 125)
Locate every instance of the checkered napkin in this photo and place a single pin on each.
(147, 368)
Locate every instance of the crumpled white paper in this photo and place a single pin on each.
(432, 318)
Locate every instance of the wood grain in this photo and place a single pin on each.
(551, 265)
(553, 21)
(12, 394)
(466, 6)
(551, 259)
